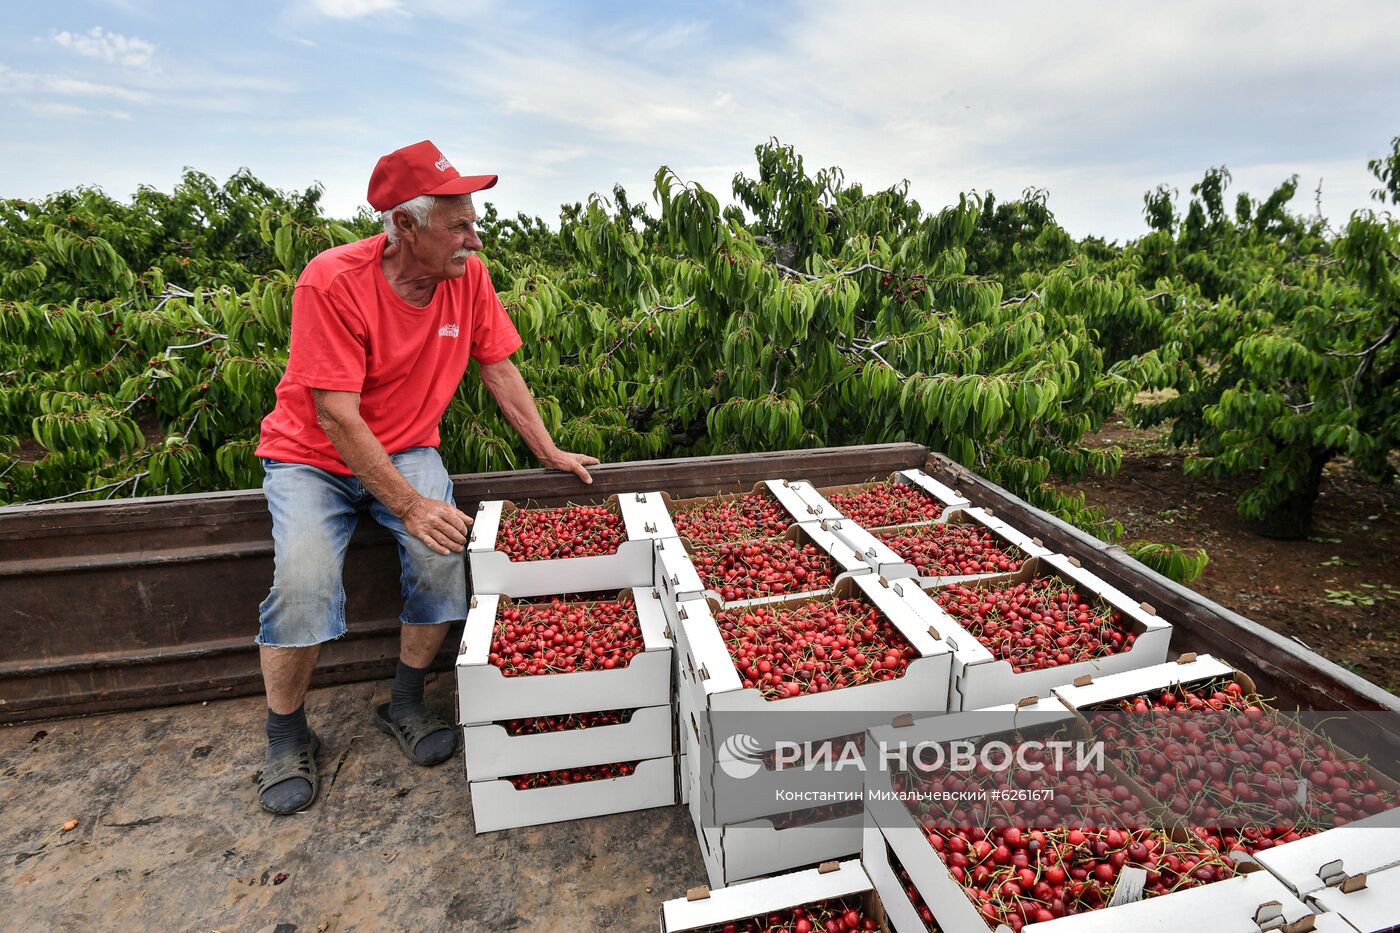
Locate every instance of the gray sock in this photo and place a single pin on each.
(287, 732)
(405, 699)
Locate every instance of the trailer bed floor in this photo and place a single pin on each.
(170, 836)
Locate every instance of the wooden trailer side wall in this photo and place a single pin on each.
(146, 602)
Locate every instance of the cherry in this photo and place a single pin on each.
(880, 505)
(570, 531)
(565, 637)
(950, 550)
(753, 568)
(572, 775)
(721, 519)
(824, 644)
(1037, 624)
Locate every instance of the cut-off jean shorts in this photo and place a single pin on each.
(313, 515)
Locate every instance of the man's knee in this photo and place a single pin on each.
(306, 606)
(422, 467)
(435, 587)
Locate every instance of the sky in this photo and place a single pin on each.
(1094, 102)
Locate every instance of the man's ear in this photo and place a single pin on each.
(404, 223)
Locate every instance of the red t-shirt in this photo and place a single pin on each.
(352, 333)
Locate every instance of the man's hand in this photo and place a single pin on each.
(439, 525)
(570, 463)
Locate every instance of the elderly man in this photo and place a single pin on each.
(382, 332)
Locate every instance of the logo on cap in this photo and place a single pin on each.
(442, 165)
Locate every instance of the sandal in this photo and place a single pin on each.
(300, 762)
(413, 729)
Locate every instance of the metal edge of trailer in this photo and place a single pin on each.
(145, 602)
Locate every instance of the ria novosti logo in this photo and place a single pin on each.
(742, 756)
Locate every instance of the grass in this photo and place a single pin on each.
(1378, 592)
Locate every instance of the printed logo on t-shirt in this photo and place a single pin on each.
(447, 330)
(442, 165)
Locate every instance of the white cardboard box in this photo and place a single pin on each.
(983, 518)
(901, 913)
(679, 578)
(632, 564)
(1331, 923)
(1370, 903)
(676, 578)
(787, 496)
(491, 753)
(703, 908)
(873, 552)
(719, 688)
(980, 680)
(498, 805)
(715, 710)
(945, 496)
(485, 695)
(1097, 690)
(754, 848)
(1248, 903)
(1368, 845)
(718, 798)
(1365, 845)
(645, 516)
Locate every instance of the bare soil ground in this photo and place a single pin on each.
(170, 837)
(1338, 592)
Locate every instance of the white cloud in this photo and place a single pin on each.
(111, 47)
(650, 41)
(1096, 104)
(354, 9)
(38, 84)
(591, 92)
(73, 87)
(54, 109)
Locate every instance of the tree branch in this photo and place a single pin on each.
(83, 492)
(868, 266)
(190, 346)
(644, 318)
(1385, 338)
(1370, 356)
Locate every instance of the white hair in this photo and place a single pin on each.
(419, 208)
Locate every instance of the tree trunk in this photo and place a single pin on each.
(1293, 520)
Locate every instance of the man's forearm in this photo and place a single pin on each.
(513, 396)
(370, 463)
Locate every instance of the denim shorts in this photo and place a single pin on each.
(313, 515)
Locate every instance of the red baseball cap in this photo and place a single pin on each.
(418, 169)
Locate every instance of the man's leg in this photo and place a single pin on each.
(313, 515)
(435, 593)
(419, 644)
(286, 675)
